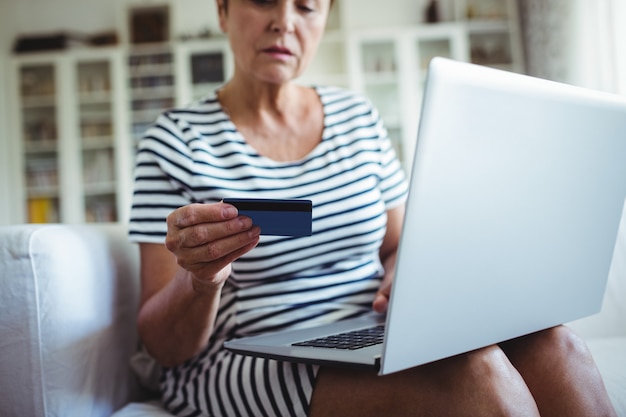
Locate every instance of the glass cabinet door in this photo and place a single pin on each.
(152, 88)
(489, 28)
(381, 85)
(207, 72)
(491, 48)
(40, 141)
(97, 150)
(426, 50)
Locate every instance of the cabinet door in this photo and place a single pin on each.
(491, 46)
(381, 84)
(207, 70)
(95, 117)
(201, 67)
(152, 86)
(493, 33)
(40, 140)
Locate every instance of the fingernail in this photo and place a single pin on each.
(229, 212)
(254, 232)
(245, 222)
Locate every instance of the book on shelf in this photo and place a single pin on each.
(42, 210)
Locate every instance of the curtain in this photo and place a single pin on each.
(581, 42)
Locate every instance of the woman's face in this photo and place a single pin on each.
(273, 40)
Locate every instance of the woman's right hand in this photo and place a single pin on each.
(207, 238)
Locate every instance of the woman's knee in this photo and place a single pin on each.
(487, 364)
(559, 343)
(492, 384)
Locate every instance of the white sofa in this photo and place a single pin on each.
(68, 298)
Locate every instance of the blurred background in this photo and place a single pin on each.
(80, 80)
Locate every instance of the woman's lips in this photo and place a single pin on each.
(277, 51)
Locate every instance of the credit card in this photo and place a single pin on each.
(277, 217)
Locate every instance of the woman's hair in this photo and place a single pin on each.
(226, 4)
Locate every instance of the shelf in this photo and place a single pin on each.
(488, 26)
(152, 93)
(38, 102)
(43, 192)
(40, 146)
(381, 78)
(97, 188)
(95, 97)
(486, 10)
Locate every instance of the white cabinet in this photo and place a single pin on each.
(70, 137)
(389, 64)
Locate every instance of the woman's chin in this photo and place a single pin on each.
(278, 75)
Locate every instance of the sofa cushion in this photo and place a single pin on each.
(610, 356)
(69, 300)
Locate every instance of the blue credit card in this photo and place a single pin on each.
(277, 217)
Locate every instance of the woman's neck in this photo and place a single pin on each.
(248, 99)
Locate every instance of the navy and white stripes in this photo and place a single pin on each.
(353, 177)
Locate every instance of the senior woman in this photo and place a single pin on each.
(215, 278)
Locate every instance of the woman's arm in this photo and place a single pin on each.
(388, 252)
(181, 282)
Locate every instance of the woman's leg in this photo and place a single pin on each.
(560, 372)
(479, 383)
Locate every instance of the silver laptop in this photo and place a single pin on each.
(516, 194)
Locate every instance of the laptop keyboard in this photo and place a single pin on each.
(352, 340)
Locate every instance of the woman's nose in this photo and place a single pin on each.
(283, 18)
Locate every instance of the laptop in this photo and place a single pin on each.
(516, 195)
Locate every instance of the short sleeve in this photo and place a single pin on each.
(159, 188)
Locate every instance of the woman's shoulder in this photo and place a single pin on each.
(342, 105)
(203, 118)
(204, 112)
(207, 106)
(335, 94)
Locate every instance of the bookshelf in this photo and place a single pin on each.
(69, 129)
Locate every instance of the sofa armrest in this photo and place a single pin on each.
(68, 296)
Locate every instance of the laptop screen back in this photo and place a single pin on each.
(517, 190)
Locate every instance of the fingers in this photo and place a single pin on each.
(195, 214)
(381, 300)
(197, 224)
(205, 238)
(220, 251)
(381, 303)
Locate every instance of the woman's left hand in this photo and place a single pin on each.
(381, 301)
(388, 254)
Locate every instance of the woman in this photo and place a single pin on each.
(262, 135)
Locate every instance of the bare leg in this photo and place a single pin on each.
(560, 372)
(480, 383)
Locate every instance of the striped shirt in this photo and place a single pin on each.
(196, 155)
